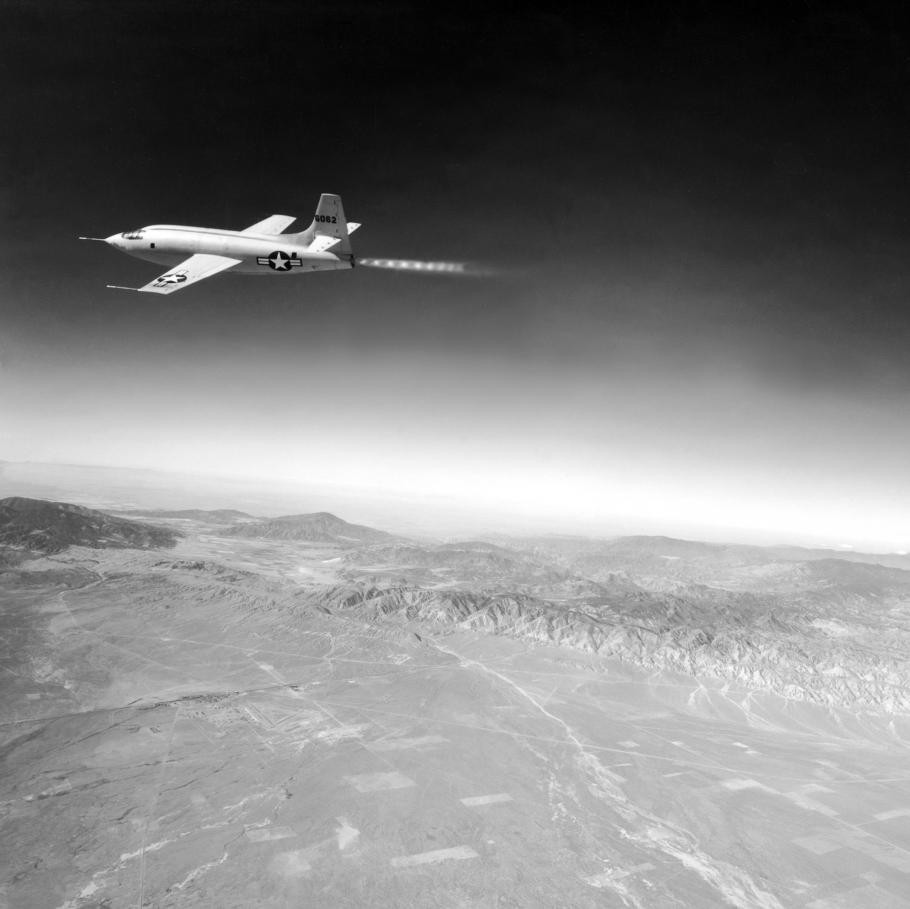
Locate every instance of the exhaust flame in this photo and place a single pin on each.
(418, 265)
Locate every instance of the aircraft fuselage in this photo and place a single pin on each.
(259, 254)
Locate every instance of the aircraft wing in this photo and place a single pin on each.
(273, 224)
(322, 242)
(188, 272)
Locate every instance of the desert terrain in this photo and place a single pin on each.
(232, 711)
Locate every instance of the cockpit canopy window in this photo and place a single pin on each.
(132, 234)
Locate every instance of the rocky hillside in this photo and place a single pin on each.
(825, 630)
(470, 564)
(321, 527)
(49, 527)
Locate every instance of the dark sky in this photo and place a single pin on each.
(697, 217)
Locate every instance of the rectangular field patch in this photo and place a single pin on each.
(475, 800)
(455, 853)
(423, 741)
(265, 834)
(817, 844)
(891, 815)
(738, 785)
(379, 782)
(339, 733)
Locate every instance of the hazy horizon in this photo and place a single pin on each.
(431, 517)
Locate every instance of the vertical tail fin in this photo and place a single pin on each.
(329, 221)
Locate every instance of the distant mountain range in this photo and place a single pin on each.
(321, 527)
(820, 625)
(213, 516)
(832, 632)
(51, 527)
(666, 556)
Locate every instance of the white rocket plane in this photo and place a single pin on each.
(194, 253)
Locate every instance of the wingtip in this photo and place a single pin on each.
(120, 287)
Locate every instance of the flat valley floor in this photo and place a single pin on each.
(181, 729)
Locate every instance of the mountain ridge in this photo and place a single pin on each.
(43, 526)
(792, 657)
(213, 515)
(318, 527)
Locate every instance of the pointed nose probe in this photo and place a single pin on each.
(112, 240)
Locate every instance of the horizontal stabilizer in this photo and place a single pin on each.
(322, 242)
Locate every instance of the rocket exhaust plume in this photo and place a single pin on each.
(419, 265)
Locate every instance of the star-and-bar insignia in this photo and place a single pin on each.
(279, 261)
(175, 277)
